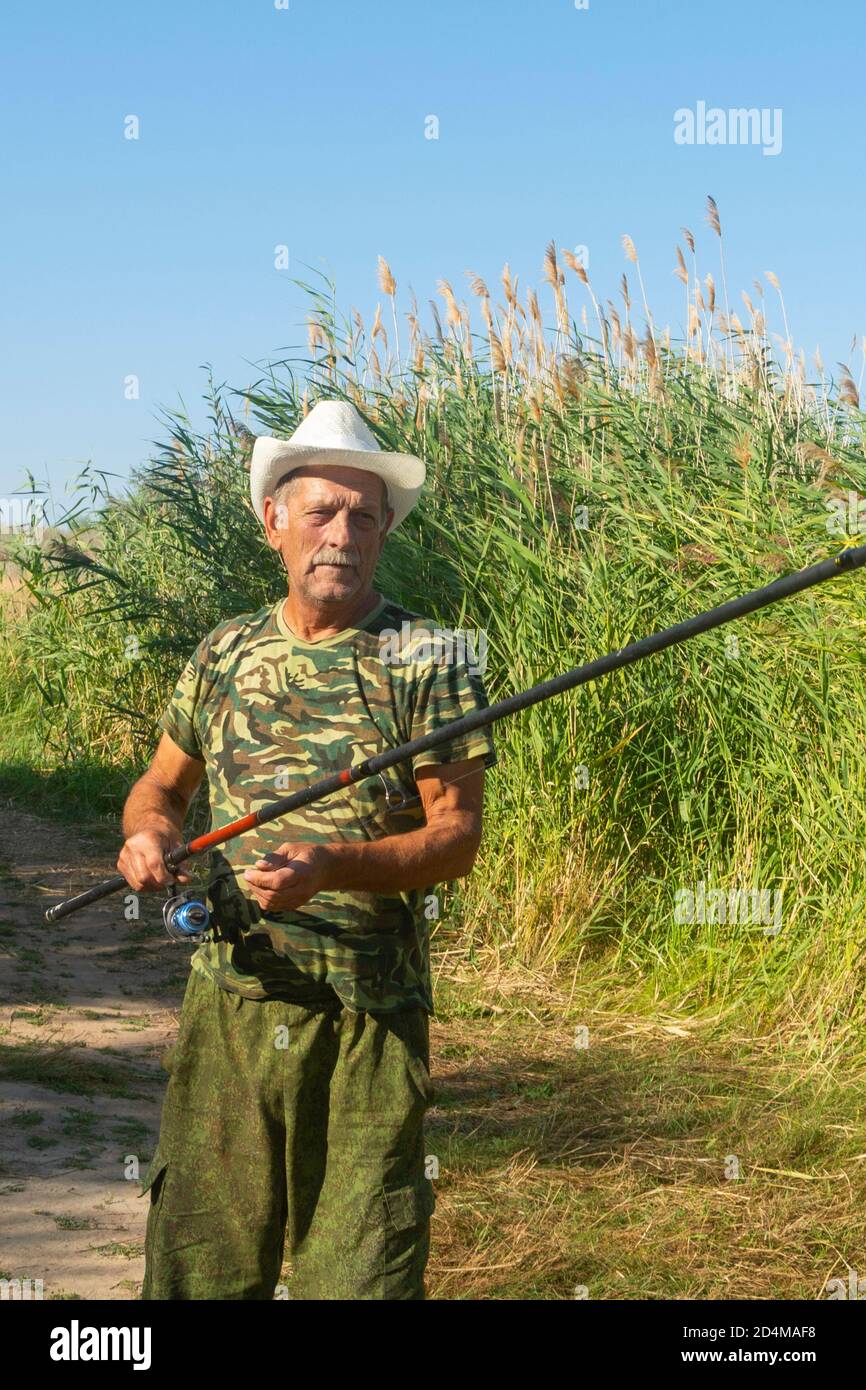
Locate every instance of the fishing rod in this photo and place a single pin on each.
(848, 560)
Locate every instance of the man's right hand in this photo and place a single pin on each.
(154, 812)
(141, 861)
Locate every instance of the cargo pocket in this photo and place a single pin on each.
(154, 1183)
(420, 1073)
(407, 1212)
(411, 1026)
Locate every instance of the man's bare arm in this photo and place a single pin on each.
(452, 795)
(154, 814)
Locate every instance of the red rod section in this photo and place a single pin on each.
(228, 832)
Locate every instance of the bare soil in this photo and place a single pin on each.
(88, 1006)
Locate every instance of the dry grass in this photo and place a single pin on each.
(603, 1169)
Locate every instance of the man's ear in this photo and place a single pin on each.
(270, 513)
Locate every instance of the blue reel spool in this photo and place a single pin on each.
(186, 917)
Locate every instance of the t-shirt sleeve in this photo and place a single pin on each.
(448, 690)
(179, 719)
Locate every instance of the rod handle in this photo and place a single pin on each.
(92, 895)
(171, 859)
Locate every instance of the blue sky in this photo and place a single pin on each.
(305, 127)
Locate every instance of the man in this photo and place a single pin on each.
(300, 1076)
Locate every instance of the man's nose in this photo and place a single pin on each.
(338, 533)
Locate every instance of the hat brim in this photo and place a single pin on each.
(403, 474)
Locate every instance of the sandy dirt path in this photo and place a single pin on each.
(87, 1007)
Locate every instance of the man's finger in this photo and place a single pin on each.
(271, 879)
(147, 873)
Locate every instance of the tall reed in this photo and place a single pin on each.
(588, 482)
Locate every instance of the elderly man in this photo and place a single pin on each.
(293, 1120)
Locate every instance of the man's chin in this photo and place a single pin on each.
(332, 585)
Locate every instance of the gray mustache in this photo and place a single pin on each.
(334, 557)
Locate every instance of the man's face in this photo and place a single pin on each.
(329, 528)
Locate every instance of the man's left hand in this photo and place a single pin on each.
(289, 877)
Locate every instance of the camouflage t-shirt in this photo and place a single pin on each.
(268, 713)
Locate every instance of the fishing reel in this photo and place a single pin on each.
(186, 915)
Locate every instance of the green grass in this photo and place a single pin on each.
(576, 500)
(126, 1250)
(58, 1068)
(67, 790)
(36, 1018)
(130, 1131)
(39, 990)
(31, 955)
(80, 1124)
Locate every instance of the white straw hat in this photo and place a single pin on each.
(334, 433)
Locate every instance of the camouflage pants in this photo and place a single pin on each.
(286, 1123)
